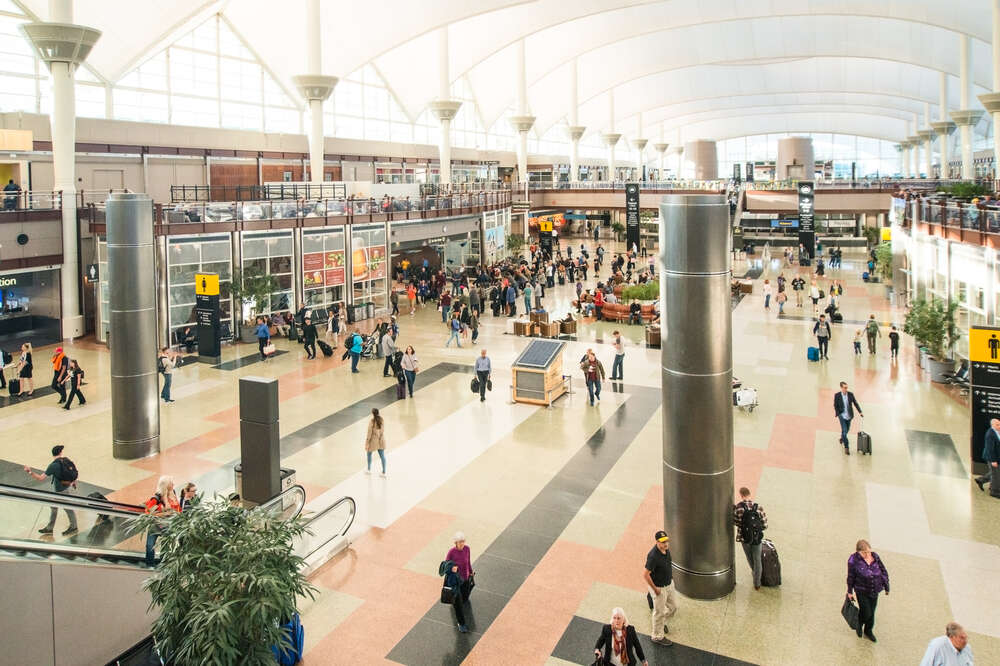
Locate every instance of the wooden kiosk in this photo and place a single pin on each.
(537, 373)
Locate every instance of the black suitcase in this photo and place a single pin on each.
(864, 443)
(400, 390)
(837, 317)
(770, 565)
(995, 483)
(325, 348)
(14, 386)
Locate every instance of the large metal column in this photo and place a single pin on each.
(697, 393)
(135, 410)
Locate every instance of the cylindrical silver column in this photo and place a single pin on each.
(135, 410)
(697, 393)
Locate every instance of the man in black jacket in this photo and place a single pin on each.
(309, 336)
(843, 408)
(991, 454)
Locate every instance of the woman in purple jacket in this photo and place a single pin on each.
(866, 577)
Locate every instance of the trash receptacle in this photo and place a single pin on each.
(369, 310)
(287, 481)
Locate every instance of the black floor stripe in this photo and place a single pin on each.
(510, 559)
(244, 361)
(304, 437)
(578, 641)
(934, 453)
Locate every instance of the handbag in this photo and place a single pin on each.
(269, 349)
(851, 613)
(475, 385)
(489, 384)
(447, 595)
(472, 582)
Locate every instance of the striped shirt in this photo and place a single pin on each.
(738, 517)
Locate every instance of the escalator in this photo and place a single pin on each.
(58, 590)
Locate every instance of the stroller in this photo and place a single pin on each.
(368, 345)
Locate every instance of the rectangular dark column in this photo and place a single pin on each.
(631, 215)
(807, 227)
(260, 448)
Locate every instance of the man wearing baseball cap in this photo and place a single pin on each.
(659, 579)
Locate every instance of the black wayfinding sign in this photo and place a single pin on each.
(749, 172)
(631, 215)
(984, 375)
(207, 316)
(737, 176)
(807, 229)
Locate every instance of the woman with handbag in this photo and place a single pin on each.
(461, 557)
(866, 577)
(618, 644)
(25, 369)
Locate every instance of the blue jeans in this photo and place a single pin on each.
(355, 357)
(767, 301)
(151, 538)
(616, 367)
(444, 313)
(381, 455)
(593, 390)
(845, 428)
(410, 376)
(165, 393)
(453, 336)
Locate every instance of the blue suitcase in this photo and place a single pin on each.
(292, 654)
(813, 353)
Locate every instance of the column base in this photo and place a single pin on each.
(72, 327)
(135, 450)
(703, 586)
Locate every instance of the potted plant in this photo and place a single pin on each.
(883, 264)
(227, 582)
(515, 243)
(617, 227)
(871, 236)
(934, 327)
(250, 290)
(649, 291)
(913, 326)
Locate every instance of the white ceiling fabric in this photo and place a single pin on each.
(670, 59)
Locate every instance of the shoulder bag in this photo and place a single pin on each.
(851, 613)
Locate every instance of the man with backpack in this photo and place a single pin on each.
(63, 475)
(750, 522)
(822, 332)
(872, 331)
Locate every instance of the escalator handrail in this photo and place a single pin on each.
(350, 521)
(279, 498)
(71, 549)
(108, 507)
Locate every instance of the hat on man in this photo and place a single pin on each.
(662, 537)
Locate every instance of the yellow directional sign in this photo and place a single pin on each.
(984, 344)
(206, 284)
(886, 234)
(545, 225)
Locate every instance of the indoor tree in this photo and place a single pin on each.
(251, 289)
(227, 581)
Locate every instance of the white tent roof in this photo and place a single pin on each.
(713, 68)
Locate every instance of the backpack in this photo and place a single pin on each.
(160, 365)
(68, 473)
(872, 327)
(751, 526)
(455, 324)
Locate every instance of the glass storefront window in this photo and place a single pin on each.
(323, 267)
(185, 257)
(270, 253)
(369, 270)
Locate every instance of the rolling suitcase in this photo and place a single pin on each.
(325, 348)
(770, 565)
(994, 484)
(837, 317)
(400, 389)
(812, 353)
(13, 385)
(864, 442)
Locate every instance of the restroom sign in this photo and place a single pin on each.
(206, 284)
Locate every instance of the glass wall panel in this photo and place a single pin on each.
(323, 267)
(270, 253)
(185, 257)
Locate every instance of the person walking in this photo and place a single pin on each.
(873, 332)
(822, 332)
(388, 345)
(60, 366)
(445, 306)
(333, 324)
(767, 294)
(263, 337)
(355, 349)
(952, 649)
(780, 299)
(750, 521)
(798, 286)
(474, 324)
(527, 297)
(163, 501)
(459, 577)
(375, 440)
(991, 454)
(456, 328)
(866, 577)
(593, 372)
(858, 334)
(511, 300)
(618, 642)
(893, 343)
(25, 370)
(814, 296)
(484, 370)
(74, 379)
(411, 366)
(617, 364)
(411, 296)
(62, 473)
(843, 408)
(309, 337)
(658, 577)
(394, 301)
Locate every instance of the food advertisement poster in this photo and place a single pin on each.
(336, 269)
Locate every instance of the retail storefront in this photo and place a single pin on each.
(450, 243)
(30, 307)
(324, 267)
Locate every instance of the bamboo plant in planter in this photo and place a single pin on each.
(250, 290)
(883, 264)
(227, 581)
(932, 324)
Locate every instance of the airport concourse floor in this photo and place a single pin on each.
(559, 506)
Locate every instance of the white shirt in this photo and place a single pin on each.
(940, 652)
(767, 289)
(615, 660)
